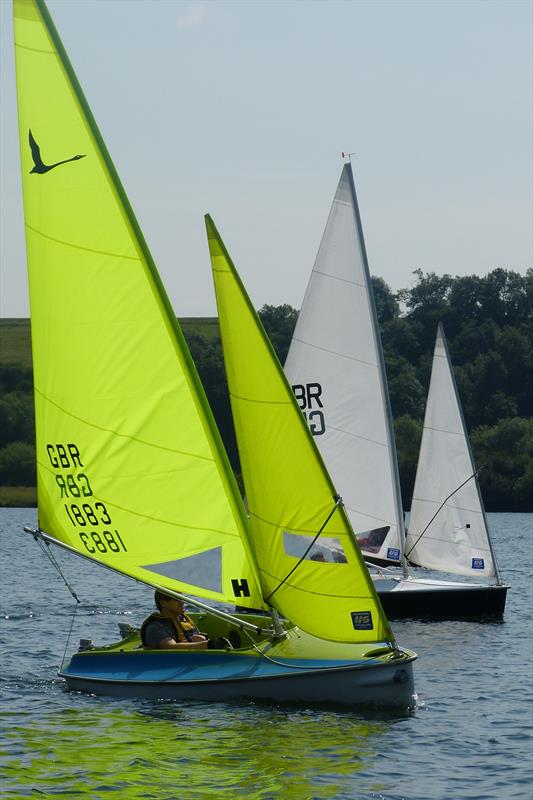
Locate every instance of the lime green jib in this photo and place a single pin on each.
(131, 468)
(289, 494)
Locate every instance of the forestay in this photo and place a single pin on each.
(130, 467)
(289, 494)
(447, 528)
(335, 365)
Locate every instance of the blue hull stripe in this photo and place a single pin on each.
(179, 667)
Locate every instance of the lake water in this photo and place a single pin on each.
(470, 739)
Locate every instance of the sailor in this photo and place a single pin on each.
(170, 627)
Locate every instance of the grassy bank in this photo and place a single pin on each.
(18, 496)
(15, 337)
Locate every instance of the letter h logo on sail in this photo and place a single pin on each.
(240, 587)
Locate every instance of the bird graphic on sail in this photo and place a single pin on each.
(39, 166)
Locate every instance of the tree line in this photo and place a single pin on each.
(488, 323)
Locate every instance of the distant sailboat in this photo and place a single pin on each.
(336, 367)
(448, 528)
(131, 470)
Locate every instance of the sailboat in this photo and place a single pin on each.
(336, 367)
(448, 528)
(131, 471)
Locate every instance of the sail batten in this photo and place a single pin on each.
(289, 494)
(131, 470)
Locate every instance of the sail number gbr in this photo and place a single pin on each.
(102, 541)
(308, 396)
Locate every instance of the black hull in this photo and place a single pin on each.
(380, 562)
(487, 602)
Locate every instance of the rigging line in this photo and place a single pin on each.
(338, 502)
(47, 551)
(290, 666)
(69, 634)
(474, 475)
(273, 660)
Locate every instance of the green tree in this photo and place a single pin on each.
(16, 417)
(406, 392)
(17, 465)
(15, 376)
(209, 360)
(408, 433)
(387, 306)
(504, 455)
(279, 323)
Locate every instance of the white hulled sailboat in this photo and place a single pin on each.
(336, 367)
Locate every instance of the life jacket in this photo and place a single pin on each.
(184, 627)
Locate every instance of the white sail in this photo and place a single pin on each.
(447, 528)
(335, 365)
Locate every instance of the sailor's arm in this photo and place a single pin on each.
(198, 643)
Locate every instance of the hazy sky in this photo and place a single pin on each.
(241, 109)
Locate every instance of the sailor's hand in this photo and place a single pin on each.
(198, 637)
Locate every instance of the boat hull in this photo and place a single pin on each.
(390, 686)
(283, 672)
(440, 600)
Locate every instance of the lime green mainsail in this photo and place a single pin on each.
(289, 493)
(131, 470)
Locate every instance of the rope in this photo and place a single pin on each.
(291, 666)
(338, 502)
(474, 475)
(69, 634)
(48, 552)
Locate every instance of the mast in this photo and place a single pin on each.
(382, 377)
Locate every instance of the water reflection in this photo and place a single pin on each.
(165, 750)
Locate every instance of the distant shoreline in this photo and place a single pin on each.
(18, 497)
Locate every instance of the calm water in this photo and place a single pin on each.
(470, 738)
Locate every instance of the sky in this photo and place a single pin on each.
(242, 110)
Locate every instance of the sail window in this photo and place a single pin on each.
(372, 540)
(325, 549)
(203, 569)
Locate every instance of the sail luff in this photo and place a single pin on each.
(115, 386)
(290, 494)
(385, 394)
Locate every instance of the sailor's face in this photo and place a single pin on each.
(174, 605)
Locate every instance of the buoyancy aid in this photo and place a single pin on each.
(184, 627)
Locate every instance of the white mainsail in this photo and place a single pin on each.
(336, 368)
(448, 529)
